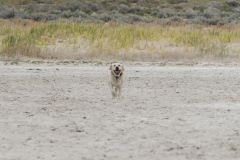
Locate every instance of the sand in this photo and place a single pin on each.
(51, 111)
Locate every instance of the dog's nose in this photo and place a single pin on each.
(117, 68)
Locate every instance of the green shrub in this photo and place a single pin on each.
(123, 9)
(7, 12)
(166, 13)
(177, 1)
(66, 14)
(233, 3)
(213, 4)
(134, 18)
(210, 12)
(190, 13)
(45, 1)
(200, 8)
(43, 16)
(225, 8)
(132, 1)
(104, 17)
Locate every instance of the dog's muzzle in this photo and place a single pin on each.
(117, 71)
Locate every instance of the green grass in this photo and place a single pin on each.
(27, 38)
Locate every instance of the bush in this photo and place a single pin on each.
(45, 1)
(134, 18)
(126, 11)
(210, 12)
(211, 21)
(147, 20)
(69, 14)
(196, 20)
(136, 9)
(22, 14)
(61, 7)
(176, 19)
(23, 2)
(42, 16)
(82, 14)
(7, 12)
(116, 16)
(223, 21)
(233, 3)
(224, 14)
(214, 4)
(66, 14)
(166, 13)
(73, 6)
(38, 8)
(94, 7)
(30, 8)
(54, 11)
(123, 8)
(199, 8)
(177, 1)
(225, 8)
(104, 17)
(132, 1)
(190, 14)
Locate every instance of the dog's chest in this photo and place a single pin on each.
(117, 81)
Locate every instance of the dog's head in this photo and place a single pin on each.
(117, 69)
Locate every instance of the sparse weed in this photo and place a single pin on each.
(68, 39)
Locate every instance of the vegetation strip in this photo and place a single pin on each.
(29, 38)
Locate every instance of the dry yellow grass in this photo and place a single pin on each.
(68, 39)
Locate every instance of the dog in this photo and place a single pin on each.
(116, 79)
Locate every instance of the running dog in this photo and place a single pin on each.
(116, 79)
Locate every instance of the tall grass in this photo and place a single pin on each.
(27, 38)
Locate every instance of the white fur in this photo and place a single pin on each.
(116, 80)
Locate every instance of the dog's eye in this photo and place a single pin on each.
(119, 65)
(114, 65)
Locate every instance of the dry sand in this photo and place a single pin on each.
(66, 112)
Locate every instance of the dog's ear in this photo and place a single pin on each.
(123, 68)
(110, 68)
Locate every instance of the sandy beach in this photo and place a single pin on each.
(61, 112)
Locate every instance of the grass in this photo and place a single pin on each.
(147, 42)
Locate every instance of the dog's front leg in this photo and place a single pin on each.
(120, 92)
(116, 91)
(112, 90)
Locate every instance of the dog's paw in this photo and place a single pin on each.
(114, 94)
